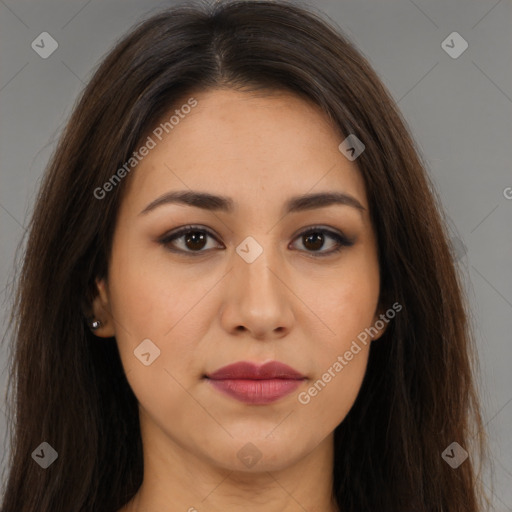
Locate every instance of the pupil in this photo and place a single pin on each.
(316, 239)
(195, 240)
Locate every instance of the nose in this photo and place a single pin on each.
(258, 299)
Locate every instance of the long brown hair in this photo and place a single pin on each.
(69, 389)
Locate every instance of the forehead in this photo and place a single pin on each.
(255, 147)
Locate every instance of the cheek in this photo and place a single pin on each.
(341, 353)
(149, 302)
(345, 306)
(150, 297)
(329, 398)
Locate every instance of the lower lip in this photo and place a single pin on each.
(256, 391)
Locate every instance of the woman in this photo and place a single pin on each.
(237, 292)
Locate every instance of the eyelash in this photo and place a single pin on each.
(341, 240)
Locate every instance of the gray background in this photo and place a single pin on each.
(459, 112)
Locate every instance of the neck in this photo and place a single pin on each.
(177, 481)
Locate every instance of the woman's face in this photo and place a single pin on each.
(247, 283)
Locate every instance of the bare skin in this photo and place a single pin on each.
(204, 311)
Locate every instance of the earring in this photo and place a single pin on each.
(95, 324)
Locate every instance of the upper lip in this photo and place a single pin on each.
(248, 370)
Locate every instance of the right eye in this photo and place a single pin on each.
(193, 240)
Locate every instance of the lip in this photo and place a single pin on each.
(256, 384)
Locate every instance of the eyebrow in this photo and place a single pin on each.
(213, 202)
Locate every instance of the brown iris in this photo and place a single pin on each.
(195, 240)
(315, 241)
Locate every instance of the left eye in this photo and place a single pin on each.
(195, 239)
(315, 239)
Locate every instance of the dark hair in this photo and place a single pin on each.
(419, 393)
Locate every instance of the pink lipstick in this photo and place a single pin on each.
(254, 384)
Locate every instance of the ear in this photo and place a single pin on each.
(380, 323)
(101, 311)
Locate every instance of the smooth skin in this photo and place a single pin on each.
(205, 307)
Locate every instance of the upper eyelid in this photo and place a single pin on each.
(179, 232)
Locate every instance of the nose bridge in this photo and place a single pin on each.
(258, 298)
(257, 264)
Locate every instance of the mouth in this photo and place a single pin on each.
(256, 384)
